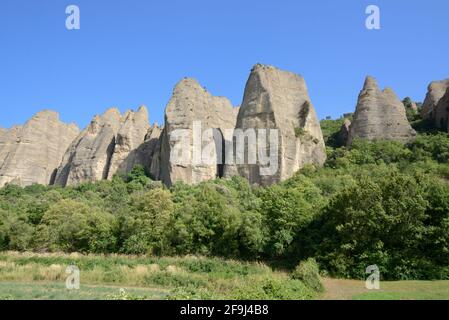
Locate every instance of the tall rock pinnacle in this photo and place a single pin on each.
(189, 104)
(89, 156)
(276, 99)
(31, 153)
(379, 115)
(128, 150)
(435, 92)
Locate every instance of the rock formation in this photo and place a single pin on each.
(414, 106)
(191, 104)
(129, 147)
(276, 99)
(201, 138)
(343, 134)
(153, 140)
(379, 115)
(435, 92)
(110, 144)
(89, 156)
(442, 112)
(31, 153)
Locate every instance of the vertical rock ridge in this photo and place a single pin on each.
(30, 154)
(379, 115)
(190, 103)
(276, 99)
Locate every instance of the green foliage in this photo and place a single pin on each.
(309, 273)
(70, 225)
(287, 210)
(331, 129)
(145, 226)
(382, 220)
(365, 152)
(431, 146)
(377, 202)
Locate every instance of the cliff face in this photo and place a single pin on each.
(188, 153)
(89, 156)
(279, 100)
(110, 144)
(442, 112)
(435, 92)
(129, 149)
(31, 153)
(379, 115)
(274, 133)
(436, 105)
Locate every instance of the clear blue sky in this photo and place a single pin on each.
(133, 52)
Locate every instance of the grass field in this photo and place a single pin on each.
(42, 276)
(389, 290)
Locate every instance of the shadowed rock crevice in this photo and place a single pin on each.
(189, 104)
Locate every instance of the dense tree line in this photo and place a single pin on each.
(377, 203)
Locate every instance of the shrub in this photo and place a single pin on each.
(308, 272)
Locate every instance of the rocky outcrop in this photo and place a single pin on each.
(435, 92)
(279, 100)
(130, 148)
(414, 106)
(31, 153)
(379, 115)
(343, 134)
(89, 156)
(110, 144)
(442, 112)
(191, 105)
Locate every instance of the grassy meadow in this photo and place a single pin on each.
(42, 276)
(33, 276)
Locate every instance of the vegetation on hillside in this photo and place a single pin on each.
(379, 202)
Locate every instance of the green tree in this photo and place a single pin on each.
(145, 228)
(71, 225)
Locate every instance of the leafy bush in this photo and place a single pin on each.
(71, 225)
(309, 273)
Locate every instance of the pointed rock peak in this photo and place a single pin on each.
(73, 126)
(142, 108)
(112, 114)
(267, 68)
(389, 91)
(370, 83)
(187, 84)
(438, 84)
(258, 67)
(47, 114)
(142, 113)
(128, 114)
(276, 75)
